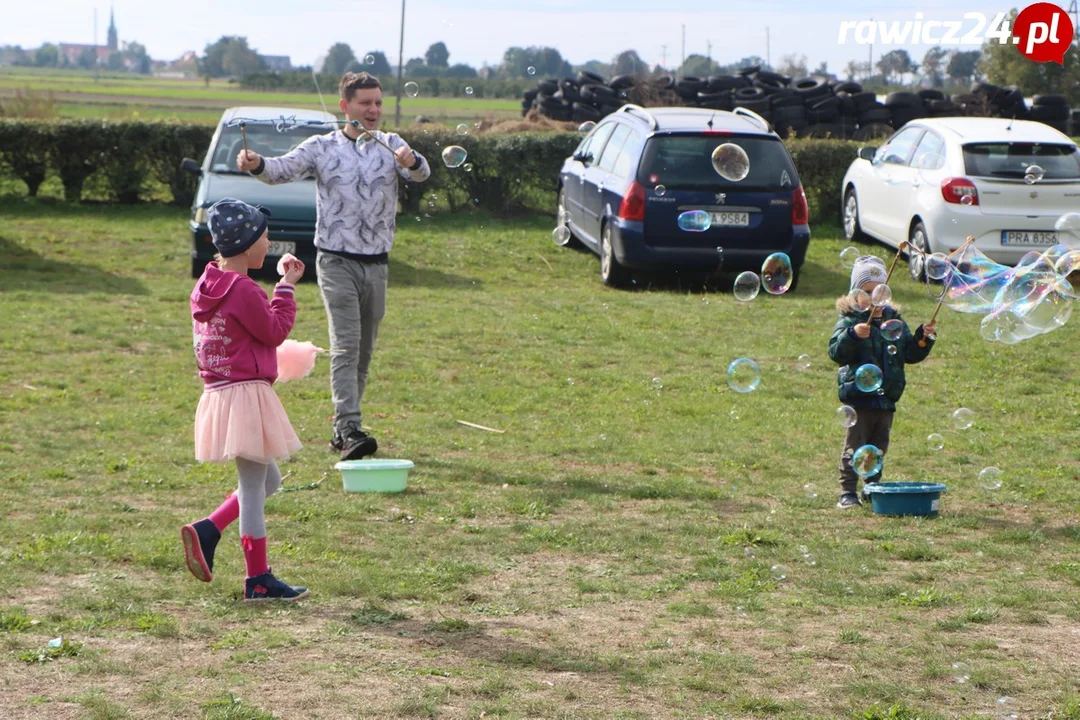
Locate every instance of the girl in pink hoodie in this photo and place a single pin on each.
(236, 332)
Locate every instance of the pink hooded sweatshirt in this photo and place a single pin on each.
(235, 330)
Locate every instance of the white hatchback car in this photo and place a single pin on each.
(938, 180)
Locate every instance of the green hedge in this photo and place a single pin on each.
(129, 162)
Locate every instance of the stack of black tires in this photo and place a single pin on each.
(805, 107)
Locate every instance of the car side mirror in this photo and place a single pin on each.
(585, 158)
(191, 166)
(867, 153)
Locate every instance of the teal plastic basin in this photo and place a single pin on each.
(374, 475)
(905, 498)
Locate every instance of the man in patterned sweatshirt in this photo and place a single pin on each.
(357, 191)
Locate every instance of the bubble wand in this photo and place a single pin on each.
(243, 136)
(899, 250)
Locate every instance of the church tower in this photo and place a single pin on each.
(114, 42)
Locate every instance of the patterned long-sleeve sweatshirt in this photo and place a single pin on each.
(356, 188)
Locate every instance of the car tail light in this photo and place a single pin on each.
(954, 190)
(800, 211)
(632, 206)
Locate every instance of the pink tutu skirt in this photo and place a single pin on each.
(243, 420)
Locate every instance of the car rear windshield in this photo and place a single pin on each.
(686, 161)
(263, 139)
(1011, 160)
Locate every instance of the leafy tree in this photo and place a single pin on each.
(87, 58)
(461, 70)
(933, 65)
(793, 66)
(139, 58)
(437, 55)
(115, 62)
(628, 62)
(963, 65)
(47, 55)
(380, 66)
(698, 66)
(896, 63)
(230, 56)
(596, 66)
(547, 61)
(339, 59)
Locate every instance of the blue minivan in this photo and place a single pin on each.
(622, 191)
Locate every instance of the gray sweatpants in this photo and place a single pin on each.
(354, 294)
(871, 428)
(257, 482)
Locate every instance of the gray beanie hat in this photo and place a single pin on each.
(235, 226)
(868, 268)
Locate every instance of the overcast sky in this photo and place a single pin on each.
(479, 31)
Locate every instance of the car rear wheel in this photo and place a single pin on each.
(918, 252)
(852, 229)
(611, 272)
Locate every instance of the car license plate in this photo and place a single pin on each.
(278, 248)
(731, 219)
(1027, 237)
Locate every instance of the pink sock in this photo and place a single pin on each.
(226, 513)
(255, 555)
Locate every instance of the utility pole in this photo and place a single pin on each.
(1074, 10)
(768, 58)
(663, 56)
(708, 50)
(681, 71)
(95, 47)
(870, 60)
(401, 68)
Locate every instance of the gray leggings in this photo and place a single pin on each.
(257, 482)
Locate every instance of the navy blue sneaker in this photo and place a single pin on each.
(200, 540)
(848, 501)
(268, 587)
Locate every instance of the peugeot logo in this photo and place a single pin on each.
(1034, 194)
(721, 198)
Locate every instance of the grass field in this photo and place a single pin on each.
(116, 97)
(641, 542)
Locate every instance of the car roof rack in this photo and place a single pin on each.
(755, 117)
(631, 108)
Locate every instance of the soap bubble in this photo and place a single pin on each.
(412, 89)
(882, 295)
(776, 274)
(892, 330)
(660, 190)
(961, 672)
(809, 490)
(747, 286)
(891, 349)
(467, 167)
(860, 299)
(731, 162)
(804, 361)
(561, 235)
(967, 200)
(848, 256)
(468, 90)
(454, 156)
(779, 572)
(1069, 224)
(1033, 174)
(695, 221)
(586, 127)
(744, 375)
(846, 416)
(990, 478)
(868, 377)
(530, 70)
(938, 266)
(935, 442)
(963, 418)
(867, 460)
(462, 129)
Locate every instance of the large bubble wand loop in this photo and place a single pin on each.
(970, 239)
(356, 124)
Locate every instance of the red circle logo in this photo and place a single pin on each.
(1043, 32)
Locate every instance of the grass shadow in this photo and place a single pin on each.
(24, 269)
(402, 274)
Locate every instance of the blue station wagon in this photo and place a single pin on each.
(622, 191)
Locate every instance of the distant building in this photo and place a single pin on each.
(72, 52)
(277, 63)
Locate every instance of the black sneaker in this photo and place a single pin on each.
(337, 443)
(848, 500)
(357, 443)
(200, 540)
(267, 587)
